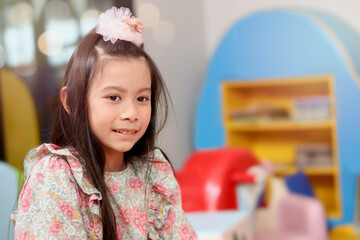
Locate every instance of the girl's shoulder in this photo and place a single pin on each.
(152, 162)
(64, 162)
(157, 172)
(51, 157)
(160, 162)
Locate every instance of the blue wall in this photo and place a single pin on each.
(289, 43)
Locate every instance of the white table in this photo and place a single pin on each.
(221, 225)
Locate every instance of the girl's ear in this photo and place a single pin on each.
(63, 97)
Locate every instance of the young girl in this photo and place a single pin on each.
(102, 178)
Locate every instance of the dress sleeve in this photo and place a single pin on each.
(167, 219)
(49, 206)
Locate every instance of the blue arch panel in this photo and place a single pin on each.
(289, 43)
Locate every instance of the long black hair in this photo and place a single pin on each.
(73, 128)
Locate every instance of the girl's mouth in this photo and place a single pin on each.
(125, 132)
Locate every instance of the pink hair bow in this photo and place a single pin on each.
(117, 23)
(134, 24)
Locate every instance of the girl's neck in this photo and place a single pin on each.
(114, 161)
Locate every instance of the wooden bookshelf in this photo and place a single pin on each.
(276, 139)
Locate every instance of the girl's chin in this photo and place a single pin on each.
(119, 150)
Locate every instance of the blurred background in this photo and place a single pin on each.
(296, 61)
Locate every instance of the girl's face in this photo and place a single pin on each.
(119, 104)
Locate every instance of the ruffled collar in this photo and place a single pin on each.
(77, 169)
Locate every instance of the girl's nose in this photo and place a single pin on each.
(130, 113)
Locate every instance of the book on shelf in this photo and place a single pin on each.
(310, 108)
(314, 155)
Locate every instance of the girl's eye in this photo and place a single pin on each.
(142, 99)
(114, 98)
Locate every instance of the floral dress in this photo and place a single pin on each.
(58, 200)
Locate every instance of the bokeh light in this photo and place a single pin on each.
(163, 33)
(149, 14)
(19, 44)
(21, 14)
(67, 34)
(50, 43)
(88, 20)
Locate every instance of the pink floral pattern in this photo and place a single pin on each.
(67, 210)
(25, 198)
(55, 228)
(135, 184)
(114, 187)
(58, 200)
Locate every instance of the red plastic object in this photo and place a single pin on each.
(208, 178)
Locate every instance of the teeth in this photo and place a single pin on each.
(125, 132)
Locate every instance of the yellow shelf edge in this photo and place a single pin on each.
(277, 125)
(310, 170)
(320, 170)
(278, 82)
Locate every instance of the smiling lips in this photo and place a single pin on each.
(128, 132)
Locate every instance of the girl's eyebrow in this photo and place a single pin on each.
(121, 89)
(145, 89)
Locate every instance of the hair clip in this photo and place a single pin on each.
(117, 23)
